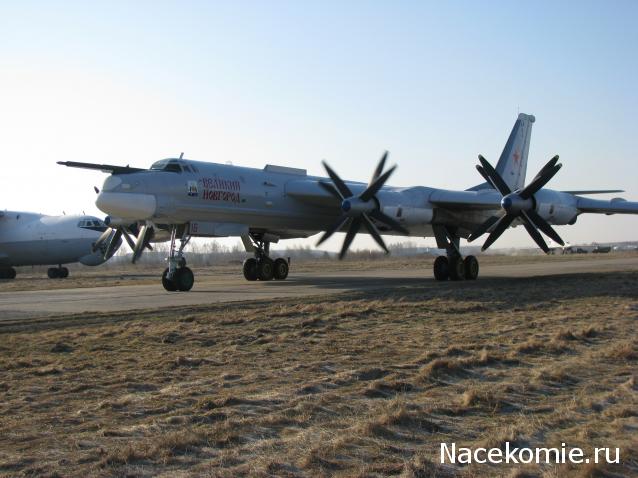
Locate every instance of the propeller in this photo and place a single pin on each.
(357, 211)
(113, 235)
(519, 204)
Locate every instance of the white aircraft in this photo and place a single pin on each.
(187, 198)
(35, 239)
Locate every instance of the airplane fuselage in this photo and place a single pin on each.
(230, 199)
(36, 239)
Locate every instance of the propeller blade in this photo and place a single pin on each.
(103, 237)
(539, 181)
(352, 231)
(139, 245)
(341, 186)
(543, 225)
(502, 224)
(480, 169)
(332, 190)
(538, 239)
(374, 232)
(334, 228)
(385, 219)
(551, 163)
(113, 243)
(483, 228)
(376, 185)
(497, 180)
(127, 236)
(380, 166)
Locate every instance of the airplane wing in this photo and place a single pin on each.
(612, 206)
(488, 199)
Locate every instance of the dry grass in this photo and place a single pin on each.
(359, 384)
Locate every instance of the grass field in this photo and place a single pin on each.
(358, 384)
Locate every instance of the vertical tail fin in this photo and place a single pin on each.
(512, 165)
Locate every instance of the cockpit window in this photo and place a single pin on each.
(167, 165)
(94, 224)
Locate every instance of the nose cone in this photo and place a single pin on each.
(506, 203)
(136, 206)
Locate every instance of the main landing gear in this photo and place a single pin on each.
(58, 272)
(8, 273)
(262, 267)
(178, 277)
(453, 266)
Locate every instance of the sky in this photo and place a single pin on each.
(292, 83)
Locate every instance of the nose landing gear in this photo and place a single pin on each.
(178, 277)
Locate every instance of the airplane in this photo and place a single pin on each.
(181, 198)
(35, 239)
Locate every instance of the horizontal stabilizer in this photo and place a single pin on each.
(105, 168)
(595, 191)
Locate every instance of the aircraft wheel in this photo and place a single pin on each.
(63, 273)
(471, 267)
(250, 269)
(265, 269)
(184, 279)
(53, 273)
(441, 268)
(281, 269)
(457, 268)
(9, 273)
(169, 284)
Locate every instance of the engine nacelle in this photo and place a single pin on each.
(409, 216)
(556, 207)
(557, 214)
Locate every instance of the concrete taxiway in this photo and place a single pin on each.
(211, 289)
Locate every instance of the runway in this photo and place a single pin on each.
(228, 288)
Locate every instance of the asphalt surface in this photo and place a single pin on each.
(211, 289)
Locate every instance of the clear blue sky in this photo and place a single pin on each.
(292, 83)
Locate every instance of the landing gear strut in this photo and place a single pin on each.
(58, 272)
(8, 273)
(178, 277)
(453, 266)
(262, 267)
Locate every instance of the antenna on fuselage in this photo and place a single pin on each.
(181, 155)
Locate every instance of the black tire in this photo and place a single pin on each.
(9, 273)
(457, 268)
(184, 279)
(53, 273)
(471, 267)
(64, 273)
(169, 284)
(281, 269)
(250, 269)
(265, 269)
(441, 268)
